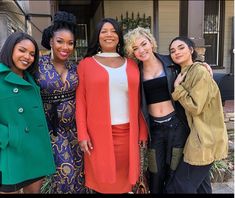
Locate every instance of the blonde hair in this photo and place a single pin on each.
(131, 36)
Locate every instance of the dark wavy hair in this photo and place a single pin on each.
(188, 42)
(94, 44)
(9, 45)
(62, 21)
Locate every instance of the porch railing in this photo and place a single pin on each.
(128, 23)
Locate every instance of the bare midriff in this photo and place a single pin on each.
(160, 109)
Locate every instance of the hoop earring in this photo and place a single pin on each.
(52, 54)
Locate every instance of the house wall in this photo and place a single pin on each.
(229, 32)
(168, 20)
(97, 16)
(11, 18)
(117, 8)
(168, 24)
(39, 23)
(168, 17)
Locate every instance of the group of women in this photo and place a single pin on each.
(164, 101)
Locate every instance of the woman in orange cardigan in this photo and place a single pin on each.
(110, 124)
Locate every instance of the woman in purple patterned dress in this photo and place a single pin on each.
(58, 80)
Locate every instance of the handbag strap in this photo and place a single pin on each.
(142, 147)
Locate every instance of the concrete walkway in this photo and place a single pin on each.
(227, 187)
(223, 188)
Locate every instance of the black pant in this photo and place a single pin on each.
(168, 140)
(190, 179)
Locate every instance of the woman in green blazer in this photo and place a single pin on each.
(25, 148)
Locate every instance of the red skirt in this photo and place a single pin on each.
(120, 135)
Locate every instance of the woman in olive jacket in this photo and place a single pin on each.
(207, 142)
(25, 148)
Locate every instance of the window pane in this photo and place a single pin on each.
(211, 50)
(211, 31)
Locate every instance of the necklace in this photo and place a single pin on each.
(108, 54)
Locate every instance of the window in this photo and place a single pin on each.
(213, 32)
(81, 42)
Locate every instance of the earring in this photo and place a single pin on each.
(52, 54)
(118, 47)
(99, 50)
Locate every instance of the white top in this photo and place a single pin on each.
(118, 93)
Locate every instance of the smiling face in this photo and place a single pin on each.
(62, 44)
(142, 48)
(23, 56)
(108, 38)
(181, 53)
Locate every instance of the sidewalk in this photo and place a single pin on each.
(227, 187)
(223, 188)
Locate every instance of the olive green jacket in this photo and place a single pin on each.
(25, 147)
(200, 97)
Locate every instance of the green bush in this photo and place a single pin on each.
(220, 171)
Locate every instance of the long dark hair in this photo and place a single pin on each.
(189, 43)
(62, 21)
(94, 44)
(8, 47)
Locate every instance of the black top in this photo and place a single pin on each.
(156, 90)
(171, 70)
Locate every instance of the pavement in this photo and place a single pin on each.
(224, 187)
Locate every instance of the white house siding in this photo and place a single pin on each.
(168, 24)
(229, 14)
(117, 8)
(168, 17)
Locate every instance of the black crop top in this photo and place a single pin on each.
(156, 90)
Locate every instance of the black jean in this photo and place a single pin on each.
(190, 179)
(168, 140)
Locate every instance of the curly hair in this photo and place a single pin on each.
(62, 16)
(62, 21)
(131, 36)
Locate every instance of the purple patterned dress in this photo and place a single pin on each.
(59, 105)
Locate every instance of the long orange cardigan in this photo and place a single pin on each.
(94, 122)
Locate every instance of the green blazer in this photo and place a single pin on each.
(25, 147)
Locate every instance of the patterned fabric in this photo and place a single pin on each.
(68, 157)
